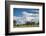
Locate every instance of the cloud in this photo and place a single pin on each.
(26, 17)
(36, 10)
(26, 14)
(19, 20)
(29, 14)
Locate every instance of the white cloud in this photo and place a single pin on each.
(25, 17)
(29, 14)
(35, 10)
(14, 17)
(19, 20)
(26, 14)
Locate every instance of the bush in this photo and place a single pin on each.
(32, 23)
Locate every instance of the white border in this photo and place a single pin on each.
(26, 28)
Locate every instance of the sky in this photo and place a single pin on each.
(18, 11)
(21, 15)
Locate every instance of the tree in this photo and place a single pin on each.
(14, 22)
(38, 23)
(33, 23)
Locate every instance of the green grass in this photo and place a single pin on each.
(25, 25)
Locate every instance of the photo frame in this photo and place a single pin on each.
(16, 23)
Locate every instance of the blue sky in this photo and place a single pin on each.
(18, 11)
(26, 13)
